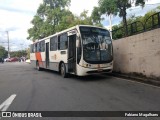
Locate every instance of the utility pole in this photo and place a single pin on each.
(110, 22)
(8, 44)
(21, 50)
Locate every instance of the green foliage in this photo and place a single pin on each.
(84, 19)
(28, 53)
(96, 16)
(118, 7)
(52, 16)
(48, 18)
(3, 52)
(147, 19)
(19, 53)
(141, 22)
(117, 31)
(57, 3)
(108, 7)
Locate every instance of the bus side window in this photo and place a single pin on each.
(38, 47)
(35, 47)
(42, 46)
(63, 42)
(53, 43)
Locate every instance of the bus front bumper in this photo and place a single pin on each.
(82, 71)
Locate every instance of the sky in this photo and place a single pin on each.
(16, 16)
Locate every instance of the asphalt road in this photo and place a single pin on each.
(48, 91)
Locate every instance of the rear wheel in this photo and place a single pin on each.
(63, 70)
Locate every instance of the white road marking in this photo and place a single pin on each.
(5, 105)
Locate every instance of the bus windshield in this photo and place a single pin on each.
(97, 45)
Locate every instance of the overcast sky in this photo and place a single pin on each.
(17, 14)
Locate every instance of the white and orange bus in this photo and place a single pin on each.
(81, 50)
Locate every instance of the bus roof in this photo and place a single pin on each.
(66, 30)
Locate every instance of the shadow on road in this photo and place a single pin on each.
(89, 78)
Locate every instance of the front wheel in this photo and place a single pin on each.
(63, 70)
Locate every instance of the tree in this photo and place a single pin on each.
(119, 6)
(48, 18)
(66, 21)
(18, 53)
(84, 19)
(3, 52)
(57, 3)
(35, 31)
(52, 16)
(28, 53)
(96, 17)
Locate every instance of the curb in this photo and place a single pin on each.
(138, 79)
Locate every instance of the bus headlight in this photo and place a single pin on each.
(89, 66)
(85, 65)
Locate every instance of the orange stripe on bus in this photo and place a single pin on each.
(39, 58)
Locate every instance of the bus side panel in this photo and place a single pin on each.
(54, 66)
(33, 59)
(54, 62)
(39, 56)
(43, 65)
(63, 55)
(56, 57)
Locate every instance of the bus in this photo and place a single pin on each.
(80, 50)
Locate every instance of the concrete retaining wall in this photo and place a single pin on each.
(138, 54)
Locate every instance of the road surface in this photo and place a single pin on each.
(32, 90)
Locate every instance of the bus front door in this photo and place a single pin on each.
(72, 54)
(47, 55)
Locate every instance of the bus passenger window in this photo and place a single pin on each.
(39, 47)
(53, 44)
(35, 49)
(42, 46)
(63, 42)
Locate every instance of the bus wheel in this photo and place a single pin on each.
(63, 70)
(37, 66)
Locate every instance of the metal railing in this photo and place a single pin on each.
(152, 22)
(137, 27)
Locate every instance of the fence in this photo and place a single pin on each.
(137, 27)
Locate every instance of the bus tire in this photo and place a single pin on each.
(63, 70)
(37, 66)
